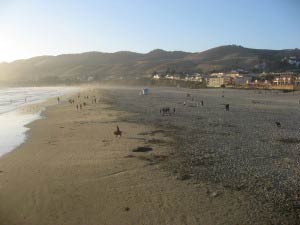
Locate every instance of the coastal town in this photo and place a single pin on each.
(240, 78)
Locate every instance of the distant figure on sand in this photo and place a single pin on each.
(58, 99)
(77, 106)
(118, 132)
(278, 124)
(227, 107)
(202, 103)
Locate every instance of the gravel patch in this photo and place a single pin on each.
(241, 149)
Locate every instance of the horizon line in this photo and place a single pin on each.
(144, 53)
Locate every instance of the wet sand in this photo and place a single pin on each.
(73, 170)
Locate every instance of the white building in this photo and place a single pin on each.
(293, 61)
(171, 77)
(283, 80)
(242, 80)
(217, 74)
(215, 81)
(196, 77)
(156, 76)
(233, 75)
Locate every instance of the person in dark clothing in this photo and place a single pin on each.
(227, 107)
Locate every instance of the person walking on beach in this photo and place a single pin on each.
(77, 107)
(174, 110)
(202, 103)
(58, 99)
(80, 106)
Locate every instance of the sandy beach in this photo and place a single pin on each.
(73, 170)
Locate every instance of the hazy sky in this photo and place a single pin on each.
(50, 27)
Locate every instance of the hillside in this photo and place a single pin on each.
(70, 68)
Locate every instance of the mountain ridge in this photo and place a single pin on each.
(131, 65)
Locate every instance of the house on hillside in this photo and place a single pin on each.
(156, 77)
(297, 80)
(219, 79)
(233, 75)
(171, 77)
(217, 74)
(242, 80)
(283, 80)
(194, 77)
(293, 61)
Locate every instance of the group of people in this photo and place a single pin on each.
(94, 99)
(80, 106)
(202, 102)
(166, 111)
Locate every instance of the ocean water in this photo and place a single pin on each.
(12, 117)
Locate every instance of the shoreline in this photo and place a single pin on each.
(77, 172)
(16, 120)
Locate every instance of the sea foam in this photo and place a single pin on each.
(13, 120)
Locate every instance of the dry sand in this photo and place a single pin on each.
(242, 149)
(73, 170)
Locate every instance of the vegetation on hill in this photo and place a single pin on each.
(93, 66)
